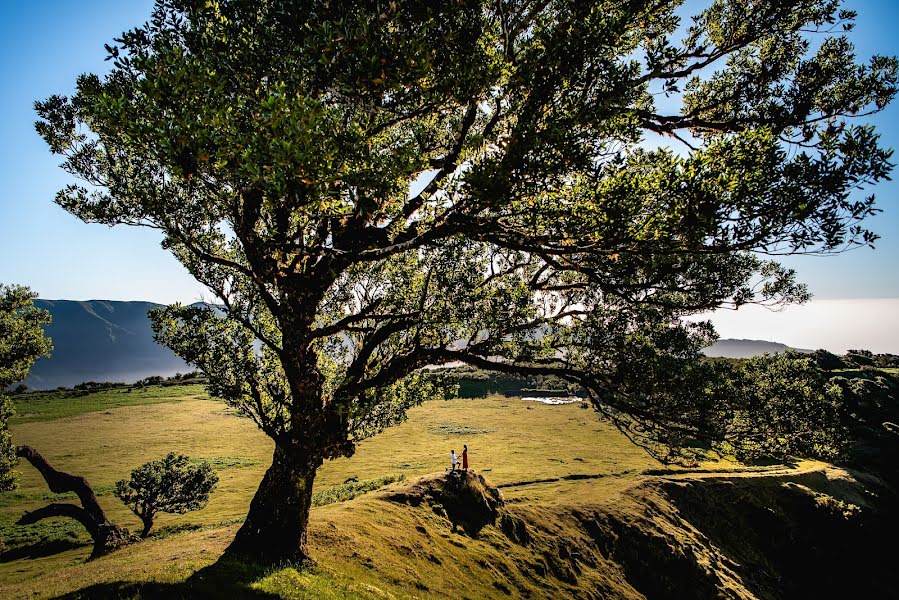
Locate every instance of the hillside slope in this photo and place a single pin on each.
(780, 533)
(101, 340)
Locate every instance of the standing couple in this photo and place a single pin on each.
(455, 461)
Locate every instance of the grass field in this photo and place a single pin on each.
(602, 518)
(104, 435)
(46, 406)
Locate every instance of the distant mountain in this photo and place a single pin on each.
(101, 340)
(747, 348)
(107, 340)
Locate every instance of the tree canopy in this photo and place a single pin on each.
(542, 187)
(22, 342)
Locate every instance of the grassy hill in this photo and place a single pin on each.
(584, 513)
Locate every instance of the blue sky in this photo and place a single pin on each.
(45, 44)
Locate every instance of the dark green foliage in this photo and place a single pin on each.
(787, 406)
(860, 358)
(472, 382)
(768, 406)
(8, 458)
(887, 361)
(827, 361)
(173, 484)
(871, 415)
(273, 145)
(22, 342)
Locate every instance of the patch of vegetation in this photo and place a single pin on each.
(415, 464)
(458, 429)
(18, 497)
(472, 382)
(352, 489)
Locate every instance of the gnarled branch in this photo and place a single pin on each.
(107, 536)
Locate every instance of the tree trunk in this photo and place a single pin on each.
(275, 528)
(107, 536)
(148, 524)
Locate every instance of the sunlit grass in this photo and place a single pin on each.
(45, 406)
(509, 440)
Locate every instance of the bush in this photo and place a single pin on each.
(827, 361)
(174, 484)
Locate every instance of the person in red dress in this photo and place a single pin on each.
(464, 457)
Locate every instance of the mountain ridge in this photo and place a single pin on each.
(111, 340)
(101, 340)
(745, 348)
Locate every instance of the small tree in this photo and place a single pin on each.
(171, 485)
(22, 342)
(827, 361)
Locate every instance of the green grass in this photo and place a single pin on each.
(45, 406)
(553, 463)
(352, 489)
(43, 537)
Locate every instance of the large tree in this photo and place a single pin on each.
(368, 188)
(22, 342)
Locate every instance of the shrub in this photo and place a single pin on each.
(174, 484)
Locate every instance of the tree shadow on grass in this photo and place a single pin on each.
(40, 550)
(226, 578)
(784, 461)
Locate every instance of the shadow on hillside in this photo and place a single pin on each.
(223, 579)
(40, 550)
